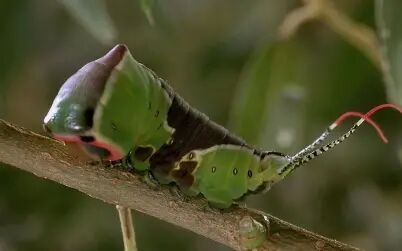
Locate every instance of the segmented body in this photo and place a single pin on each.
(130, 113)
(117, 109)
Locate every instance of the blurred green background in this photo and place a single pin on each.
(223, 57)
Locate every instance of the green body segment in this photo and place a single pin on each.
(142, 121)
(129, 112)
(225, 173)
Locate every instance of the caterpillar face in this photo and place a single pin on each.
(74, 124)
(71, 117)
(272, 163)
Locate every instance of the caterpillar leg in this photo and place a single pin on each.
(128, 163)
(241, 202)
(105, 163)
(176, 191)
(146, 177)
(150, 180)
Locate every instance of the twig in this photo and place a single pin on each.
(127, 229)
(52, 160)
(391, 86)
(360, 36)
(297, 17)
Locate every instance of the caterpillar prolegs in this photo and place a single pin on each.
(117, 109)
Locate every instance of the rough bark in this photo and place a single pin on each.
(52, 160)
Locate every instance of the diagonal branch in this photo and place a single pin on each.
(52, 160)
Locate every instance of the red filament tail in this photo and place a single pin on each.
(366, 117)
(383, 106)
(347, 115)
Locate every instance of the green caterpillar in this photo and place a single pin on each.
(119, 110)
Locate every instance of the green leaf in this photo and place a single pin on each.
(268, 105)
(146, 6)
(93, 15)
(389, 20)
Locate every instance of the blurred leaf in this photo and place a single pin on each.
(146, 6)
(389, 19)
(15, 26)
(92, 14)
(267, 107)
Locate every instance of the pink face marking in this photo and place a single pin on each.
(114, 153)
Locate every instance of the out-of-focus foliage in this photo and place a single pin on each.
(146, 6)
(389, 21)
(221, 57)
(270, 86)
(93, 15)
(14, 24)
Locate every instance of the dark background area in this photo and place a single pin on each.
(213, 53)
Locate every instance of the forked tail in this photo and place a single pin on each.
(312, 151)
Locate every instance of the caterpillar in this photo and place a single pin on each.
(117, 109)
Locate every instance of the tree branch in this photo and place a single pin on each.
(52, 160)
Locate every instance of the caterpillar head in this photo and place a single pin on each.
(71, 116)
(272, 163)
